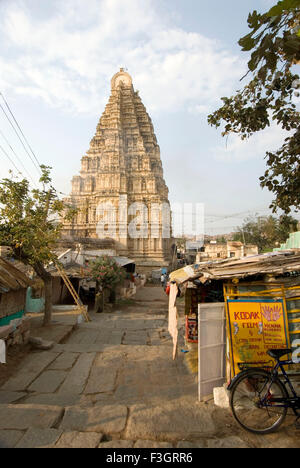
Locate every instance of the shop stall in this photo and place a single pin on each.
(235, 310)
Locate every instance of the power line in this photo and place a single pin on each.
(1, 94)
(37, 167)
(8, 157)
(222, 217)
(19, 159)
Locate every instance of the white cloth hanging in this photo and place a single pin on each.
(2, 352)
(172, 326)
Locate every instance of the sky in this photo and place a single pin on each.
(56, 62)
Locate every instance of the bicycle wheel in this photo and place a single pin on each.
(251, 402)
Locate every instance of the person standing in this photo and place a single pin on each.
(162, 280)
(166, 280)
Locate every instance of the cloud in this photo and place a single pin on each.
(237, 150)
(68, 56)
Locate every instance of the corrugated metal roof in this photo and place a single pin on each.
(76, 270)
(122, 261)
(276, 263)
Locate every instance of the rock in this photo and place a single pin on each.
(25, 324)
(189, 444)
(104, 419)
(77, 377)
(26, 336)
(79, 440)
(152, 444)
(53, 399)
(221, 397)
(10, 397)
(17, 337)
(64, 362)
(48, 381)
(227, 442)
(24, 416)
(39, 343)
(173, 420)
(31, 368)
(117, 443)
(9, 438)
(5, 331)
(39, 438)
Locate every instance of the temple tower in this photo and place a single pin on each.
(120, 192)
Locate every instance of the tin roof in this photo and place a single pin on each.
(77, 270)
(276, 263)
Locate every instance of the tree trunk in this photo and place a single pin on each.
(48, 301)
(112, 296)
(47, 279)
(103, 298)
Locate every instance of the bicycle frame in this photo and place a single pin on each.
(289, 402)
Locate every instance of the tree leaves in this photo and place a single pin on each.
(275, 44)
(282, 6)
(267, 232)
(26, 219)
(107, 272)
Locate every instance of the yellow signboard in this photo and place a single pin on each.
(253, 328)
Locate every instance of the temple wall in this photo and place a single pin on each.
(123, 160)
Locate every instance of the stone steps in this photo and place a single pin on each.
(101, 348)
(24, 416)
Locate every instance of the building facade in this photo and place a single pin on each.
(232, 249)
(120, 192)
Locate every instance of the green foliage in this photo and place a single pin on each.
(266, 232)
(282, 6)
(221, 240)
(28, 219)
(180, 243)
(275, 44)
(107, 272)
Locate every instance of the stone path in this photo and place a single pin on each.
(113, 384)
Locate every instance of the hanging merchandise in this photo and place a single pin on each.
(191, 328)
(192, 297)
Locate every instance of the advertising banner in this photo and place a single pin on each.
(254, 327)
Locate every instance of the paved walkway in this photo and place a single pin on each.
(113, 384)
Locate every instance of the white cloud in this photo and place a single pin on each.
(237, 150)
(68, 58)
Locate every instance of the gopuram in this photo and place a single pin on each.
(120, 193)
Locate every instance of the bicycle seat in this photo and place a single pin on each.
(278, 353)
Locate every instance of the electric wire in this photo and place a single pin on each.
(15, 120)
(32, 160)
(10, 160)
(19, 159)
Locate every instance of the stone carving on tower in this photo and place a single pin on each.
(120, 192)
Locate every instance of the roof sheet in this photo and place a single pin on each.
(276, 263)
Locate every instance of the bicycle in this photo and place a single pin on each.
(259, 399)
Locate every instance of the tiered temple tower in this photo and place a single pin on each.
(120, 192)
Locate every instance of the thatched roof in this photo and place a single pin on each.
(11, 278)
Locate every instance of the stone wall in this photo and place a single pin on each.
(16, 333)
(121, 182)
